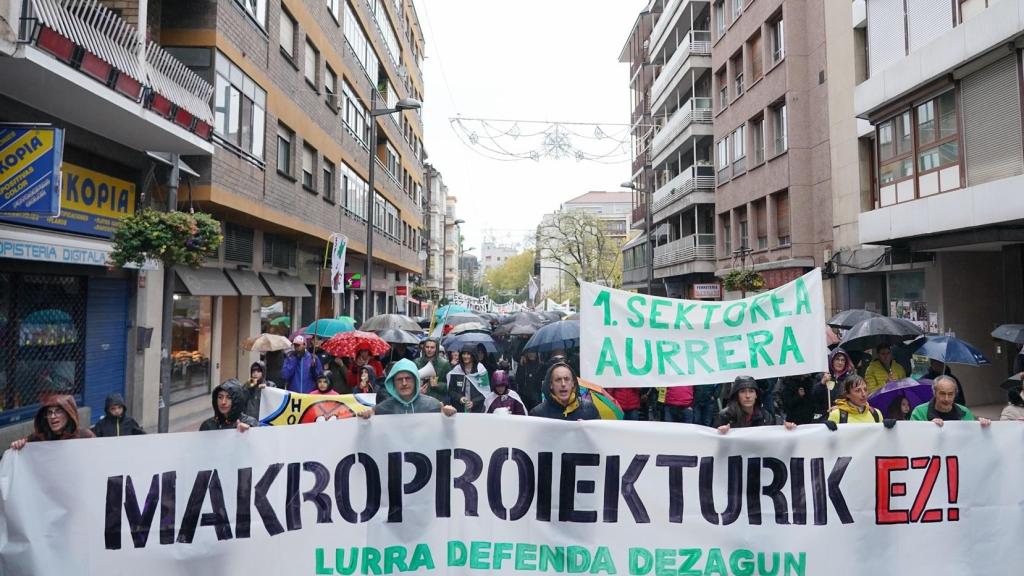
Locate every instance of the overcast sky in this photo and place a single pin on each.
(551, 60)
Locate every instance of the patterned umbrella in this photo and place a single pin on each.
(606, 406)
(347, 344)
(266, 343)
(471, 327)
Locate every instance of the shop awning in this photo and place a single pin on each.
(165, 158)
(247, 283)
(286, 286)
(205, 281)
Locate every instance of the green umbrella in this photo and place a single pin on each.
(285, 321)
(327, 327)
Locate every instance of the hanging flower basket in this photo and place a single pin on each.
(743, 281)
(174, 238)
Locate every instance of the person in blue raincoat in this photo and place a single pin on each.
(301, 368)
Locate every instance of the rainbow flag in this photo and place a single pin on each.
(606, 406)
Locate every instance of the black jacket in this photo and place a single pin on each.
(732, 414)
(797, 408)
(235, 415)
(548, 408)
(528, 381)
(254, 393)
(109, 425)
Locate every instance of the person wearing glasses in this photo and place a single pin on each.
(57, 419)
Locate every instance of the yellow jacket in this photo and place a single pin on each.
(877, 376)
(853, 415)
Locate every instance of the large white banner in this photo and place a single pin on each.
(424, 493)
(636, 340)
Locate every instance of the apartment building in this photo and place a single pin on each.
(939, 220)
(669, 51)
(441, 241)
(771, 130)
(69, 322)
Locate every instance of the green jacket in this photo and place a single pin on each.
(926, 412)
(441, 368)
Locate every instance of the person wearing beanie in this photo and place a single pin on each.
(324, 386)
(503, 398)
(743, 409)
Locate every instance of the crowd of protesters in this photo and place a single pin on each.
(473, 380)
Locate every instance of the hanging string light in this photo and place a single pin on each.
(535, 140)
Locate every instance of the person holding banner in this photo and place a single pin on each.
(468, 383)
(743, 410)
(943, 406)
(56, 419)
(228, 404)
(563, 399)
(403, 387)
(437, 385)
(840, 365)
(853, 407)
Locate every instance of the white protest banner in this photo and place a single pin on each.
(635, 340)
(424, 494)
(339, 247)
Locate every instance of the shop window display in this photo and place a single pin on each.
(42, 320)
(190, 346)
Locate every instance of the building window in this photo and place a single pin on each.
(761, 224)
(276, 317)
(757, 139)
(334, 7)
(739, 151)
(726, 235)
(937, 147)
(744, 231)
(737, 9)
(360, 43)
(239, 109)
(353, 190)
(285, 137)
(312, 57)
(778, 40)
(288, 27)
(256, 9)
(331, 87)
(355, 116)
(328, 180)
(238, 243)
(782, 218)
(279, 252)
(737, 68)
(756, 57)
(308, 167)
(720, 18)
(722, 155)
(191, 346)
(779, 127)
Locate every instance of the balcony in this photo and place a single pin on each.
(693, 111)
(675, 12)
(696, 43)
(639, 214)
(686, 249)
(80, 62)
(694, 178)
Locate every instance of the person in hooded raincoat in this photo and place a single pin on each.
(403, 387)
(228, 401)
(437, 386)
(56, 419)
(563, 399)
(115, 420)
(469, 383)
(744, 408)
(502, 397)
(253, 388)
(830, 389)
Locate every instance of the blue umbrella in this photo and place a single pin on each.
(561, 335)
(327, 327)
(450, 309)
(459, 340)
(951, 350)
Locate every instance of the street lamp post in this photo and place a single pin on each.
(403, 104)
(647, 226)
(444, 250)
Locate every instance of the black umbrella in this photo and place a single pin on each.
(1011, 383)
(396, 336)
(1010, 332)
(879, 330)
(561, 335)
(388, 321)
(516, 329)
(850, 318)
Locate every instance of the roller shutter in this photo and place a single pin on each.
(886, 34)
(927, 20)
(992, 122)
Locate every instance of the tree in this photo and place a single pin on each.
(576, 241)
(509, 279)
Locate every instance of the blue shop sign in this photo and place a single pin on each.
(30, 158)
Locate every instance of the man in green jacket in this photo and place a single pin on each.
(943, 406)
(436, 386)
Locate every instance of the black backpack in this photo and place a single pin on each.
(844, 416)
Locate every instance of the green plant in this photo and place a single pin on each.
(743, 281)
(174, 238)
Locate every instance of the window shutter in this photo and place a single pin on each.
(928, 19)
(886, 41)
(782, 214)
(238, 244)
(991, 122)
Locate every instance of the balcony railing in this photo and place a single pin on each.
(639, 213)
(88, 36)
(694, 110)
(696, 42)
(685, 249)
(690, 179)
(739, 166)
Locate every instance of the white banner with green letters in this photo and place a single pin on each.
(636, 340)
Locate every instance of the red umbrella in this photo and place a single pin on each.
(347, 344)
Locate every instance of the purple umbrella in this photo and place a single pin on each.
(917, 392)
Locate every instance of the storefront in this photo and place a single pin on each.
(194, 331)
